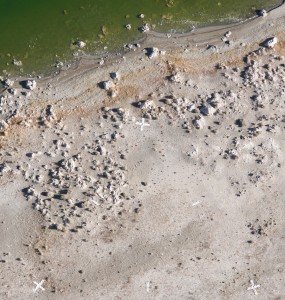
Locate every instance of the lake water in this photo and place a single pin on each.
(38, 33)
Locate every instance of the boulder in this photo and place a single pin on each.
(3, 126)
(13, 92)
(30, 84)
(206, 110)
(152, 52)
(262, 13)
(145, 105)
(108, 85)
(270, 43)
(8, 82)
(115, 76)
(177, 78)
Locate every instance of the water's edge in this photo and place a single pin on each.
(97, 56)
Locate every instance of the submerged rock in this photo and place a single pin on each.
(17, 62)
(262, 13)
(80, 44)
(144, 28)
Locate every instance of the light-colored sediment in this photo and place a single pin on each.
(190, 207)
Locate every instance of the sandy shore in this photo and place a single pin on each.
(152, 174)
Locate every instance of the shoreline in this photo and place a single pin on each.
(203, 30)
(153, 37)
(196, 47)
(202, 36)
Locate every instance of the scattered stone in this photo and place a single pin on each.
(113, 93)
(102, 150)
(128, 26)
(26, 94)
(228, 34)
(3, 126)
(239, 122)
(141, 16)
(198, 122)
(212, 47)
(132, 47)
(215, 100)
(4, 168)
(230, 153)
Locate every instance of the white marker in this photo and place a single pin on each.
(142, 124)
(38, 286)
(253, 287)
(148, 286)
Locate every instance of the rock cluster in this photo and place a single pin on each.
(75, 175)
(111, 85)
(64, 189)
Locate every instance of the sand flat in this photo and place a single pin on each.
(188, 206)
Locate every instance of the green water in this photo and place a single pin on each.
(38, 33)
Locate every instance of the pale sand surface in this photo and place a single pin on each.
(192, 207)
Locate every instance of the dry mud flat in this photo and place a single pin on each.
(156, 175)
